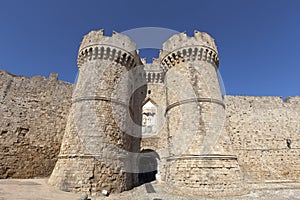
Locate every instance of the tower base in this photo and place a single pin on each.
(206, 175)
(87, 174)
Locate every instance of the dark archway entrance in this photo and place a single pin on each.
(148, 166)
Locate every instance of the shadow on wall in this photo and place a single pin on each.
(148, 163)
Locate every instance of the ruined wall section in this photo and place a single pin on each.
(33, 115)
(264, 132)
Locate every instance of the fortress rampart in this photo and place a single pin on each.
(130, 122)
(264, 133)
(33, 114)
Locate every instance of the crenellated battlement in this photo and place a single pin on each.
(182, 40)
(97, 37)
(121, 49)
(181, 48)
(118, 48)
(131, 124)
(154, 73)
(295, 100)
(266, 102)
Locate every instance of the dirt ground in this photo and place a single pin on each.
(37, 189)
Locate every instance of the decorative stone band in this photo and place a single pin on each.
(209, 100)
(191, 53)
(203, 157)
(106, 52)
(155, 76)
(88, 156)
(64, 156)
(98, 98)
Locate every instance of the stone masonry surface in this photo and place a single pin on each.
(265, 134)
(98, 133)
(204, 143)
(33, 115)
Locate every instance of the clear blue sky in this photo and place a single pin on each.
(258, 40)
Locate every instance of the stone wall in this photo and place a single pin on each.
(265, 134)
(206, 175)
(32, 122)
(204, 143)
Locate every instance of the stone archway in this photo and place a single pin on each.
(148, 164)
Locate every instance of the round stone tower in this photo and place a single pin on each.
(200, 159)
(98, 136)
